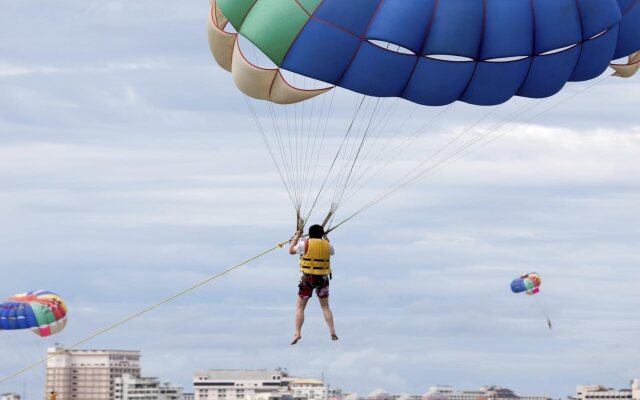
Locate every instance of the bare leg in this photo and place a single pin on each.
(302, 303)
(328, 316)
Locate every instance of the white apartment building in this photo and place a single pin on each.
(451, 394)
(239, 384)
(88, 374)
(129, 387)
(9, 396)
(599, 392)
(310, 389)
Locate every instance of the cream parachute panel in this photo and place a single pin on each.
(256, 82)
(630, 68)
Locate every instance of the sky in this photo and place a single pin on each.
(130, 169)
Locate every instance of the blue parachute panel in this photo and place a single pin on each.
(30, 320)
(3, 318)
(483, 89)
(598, 16)
(379, 72)
(11, 316)
(557, 24)
(333, 50)
(629, 36)
(438, 82)
(548, 74)
(403, 22)
(352, 15)
(456, 29)
(508, 29)
(625, 5)
(517, 285)
(596, 55)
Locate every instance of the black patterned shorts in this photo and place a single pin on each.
(309, 282)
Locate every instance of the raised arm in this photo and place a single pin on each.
(294, 242)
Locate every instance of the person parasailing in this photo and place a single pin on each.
(315, 265)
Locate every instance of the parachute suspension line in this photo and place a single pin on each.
(440, 150)
(380, 128)
(288, 169)
(307, 133)
(278, 134)
(348, 149)
(290, 152)
(295, 151)
(344, 156)
(506, 131)
(312, 150)
(266, 141)
(299, 127)
(453, 157)
(348, 153)
(335, 158)
(360, 108)
(351, 157)
(144, 311)
(396, 150)
(355, 159)
(407, 180)
(319, 129)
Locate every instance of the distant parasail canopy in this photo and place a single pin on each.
(41, 311)
(528, 283)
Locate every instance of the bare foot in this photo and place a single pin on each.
(295, 339)
(334, 336)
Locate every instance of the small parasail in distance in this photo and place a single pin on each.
(528, 283)
(44, 312)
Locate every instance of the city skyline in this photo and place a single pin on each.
(255, 384)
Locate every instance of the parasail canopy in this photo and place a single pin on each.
(431, 52)
(41, 311)
(528, 283)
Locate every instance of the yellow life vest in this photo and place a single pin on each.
(316, 260)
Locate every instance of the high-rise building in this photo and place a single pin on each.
(188, 396)
(9, 396)
(128, 387)
(88, 374)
